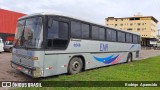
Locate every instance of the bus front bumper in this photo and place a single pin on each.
(34, 72)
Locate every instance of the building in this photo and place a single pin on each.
(8, 20)
(158, 36)
(146, 26)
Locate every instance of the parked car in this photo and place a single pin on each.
(8, 46)
(1, 45)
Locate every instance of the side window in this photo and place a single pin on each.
(63, 30)
(95, 32)
(75, 29)
(135, 39)
(109, 34)
(114, 35)
(98, 33)
(53, 30)
(85, 31)
(128, 38)
(101, 33)
(119, 36)
(138, 37)
(57, 34)
(123, 37)
(131, 38)
(58, 30)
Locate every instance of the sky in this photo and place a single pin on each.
(92, 10)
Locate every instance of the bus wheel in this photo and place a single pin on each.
(75, 65)
(129, 58)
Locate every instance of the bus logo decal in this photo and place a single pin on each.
(77, 44)
(110, 59)
(103, 47)
(118, 59)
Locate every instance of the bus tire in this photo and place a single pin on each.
(75, 65)
(129, 58)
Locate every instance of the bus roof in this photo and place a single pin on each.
(73, 17)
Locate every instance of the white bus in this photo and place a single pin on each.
(50, 44)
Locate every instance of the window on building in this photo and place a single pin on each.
(138, 29)
(131, 24)
(131, 19)
(129, 29)
(138, 24)
(115, 24)
(137, 18)
(121, 24)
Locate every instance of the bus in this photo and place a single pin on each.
(49, 44)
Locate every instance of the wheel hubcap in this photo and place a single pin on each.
(75, 66)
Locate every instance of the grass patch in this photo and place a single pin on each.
(143, 70)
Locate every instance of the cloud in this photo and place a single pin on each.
(93, 10)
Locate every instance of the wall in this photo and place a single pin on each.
(8, 20)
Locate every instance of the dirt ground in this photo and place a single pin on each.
(6, 72)
(9, 74)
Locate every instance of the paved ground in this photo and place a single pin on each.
(9, 74)
(148, 53)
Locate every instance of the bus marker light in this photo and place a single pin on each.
(49, 68)
(64, 66)
(88, 62)
(34, 58)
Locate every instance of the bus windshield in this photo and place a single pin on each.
(29, 33)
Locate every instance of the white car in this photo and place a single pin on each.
(1, 45)
(8, 46)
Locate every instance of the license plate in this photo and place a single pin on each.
(19, 68)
